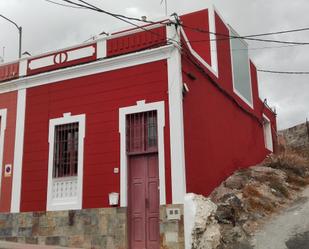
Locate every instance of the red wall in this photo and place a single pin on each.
(222, 133)
(8, 101)
(99, 97)
(137, 41)
(8, 72)
(200, 41)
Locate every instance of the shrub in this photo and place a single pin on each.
(289, 161)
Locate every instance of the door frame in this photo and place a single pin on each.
(141, 106)
(3, 116)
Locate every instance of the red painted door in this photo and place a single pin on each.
(144, 206)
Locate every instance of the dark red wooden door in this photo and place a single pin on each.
(143, 216)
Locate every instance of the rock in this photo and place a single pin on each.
(210, 238)
(205, 233)
(221, 191)
(250, 227)
(229, 209)
(205, 208)
(235, 182)
(225, 214)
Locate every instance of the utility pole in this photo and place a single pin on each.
(20, 30)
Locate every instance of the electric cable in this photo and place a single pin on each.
(249, 37)
(64, 5)
(283, 72)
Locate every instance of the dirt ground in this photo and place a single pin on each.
(288, 230)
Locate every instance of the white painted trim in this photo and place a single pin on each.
(268, 138)
(18, 151)
(96, 67)
(129, 30)
(213, 42)
(63, 57)
(23, 65)
(141, 106)
(3, 116)
(72, 203)
(189, 213)
(213, 45)
(101, 49)
(233, 76)
(175, 87)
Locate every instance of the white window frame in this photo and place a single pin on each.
(232, 33)
(70, 204)
(141, 106)
(268, 138)
(3, 116)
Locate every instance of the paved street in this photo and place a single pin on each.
(289, 230)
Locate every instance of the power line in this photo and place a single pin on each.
(259, 48)
(123, 18)
(283, 72)
(248, 37)
(254, 35)
(95, 8)
(119, 17)
(64, 5)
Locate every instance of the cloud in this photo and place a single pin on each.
(48, 27)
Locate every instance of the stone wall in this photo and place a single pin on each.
(89, 228)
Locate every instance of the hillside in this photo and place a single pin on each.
(245, 202)
(295, 138)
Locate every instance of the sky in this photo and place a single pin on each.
(47, 27)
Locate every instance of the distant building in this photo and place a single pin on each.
(148, 113)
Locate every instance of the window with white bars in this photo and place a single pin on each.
(142, 132)
(65, 167)
(65, 150)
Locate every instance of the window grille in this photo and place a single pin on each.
(142, 132)
(65, 150)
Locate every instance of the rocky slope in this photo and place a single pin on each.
(247, 199)
(250, 197)
(295, 138)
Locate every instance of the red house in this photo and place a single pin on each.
(149, 113)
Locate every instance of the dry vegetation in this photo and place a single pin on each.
(249, 197)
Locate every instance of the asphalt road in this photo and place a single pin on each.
(289, 230)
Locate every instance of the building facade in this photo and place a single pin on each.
(145, 114)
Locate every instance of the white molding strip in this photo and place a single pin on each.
(18, 151)
(101, 49)
(175, 86)
(268, 137)
(101, 66)
(213, 41)
(129, 30)
(68, 203)
(141, 106)
(23, 65)
(62, 57)
(3, 116)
